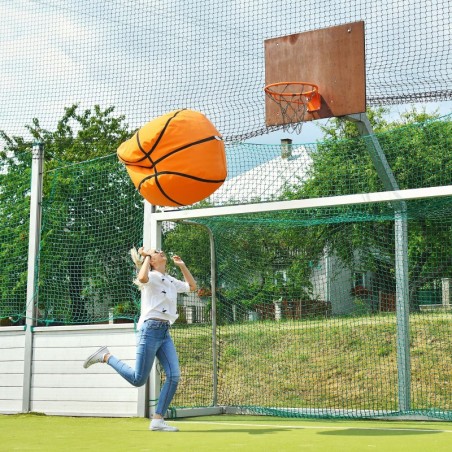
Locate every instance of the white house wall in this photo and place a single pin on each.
(318, 280)
(332, 282)
(342, 302)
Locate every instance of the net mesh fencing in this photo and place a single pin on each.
(307, 312)
(92, 217)
(147, 57)
(304, 332)
(14, 233)
(306, 298)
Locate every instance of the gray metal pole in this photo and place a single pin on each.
(375, 151)
(33, 249)
(152, 237)
(402, 311)
(401, 260)
(213, 285)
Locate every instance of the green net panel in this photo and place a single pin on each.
(306, 307)
(91, 218)
(14, 230)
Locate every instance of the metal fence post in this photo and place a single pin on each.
(32, 275)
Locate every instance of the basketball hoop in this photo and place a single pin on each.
(294, 99)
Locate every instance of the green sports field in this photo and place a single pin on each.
(220, 433)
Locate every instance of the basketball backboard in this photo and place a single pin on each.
(332, 58)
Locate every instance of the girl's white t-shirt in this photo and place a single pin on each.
(159, 298)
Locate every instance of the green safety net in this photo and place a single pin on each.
(306, 299)
(306, 304)
(92, 217)
(14, 230)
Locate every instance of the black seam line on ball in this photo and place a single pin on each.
(164, 193)
(162, 132)
(178, 174)
(186, 146)
(148, 153)
(200, 179)
(182, 148)
(142, 150)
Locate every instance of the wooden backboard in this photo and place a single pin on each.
(332, 58)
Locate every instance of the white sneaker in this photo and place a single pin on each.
(96, 357)
(162, 426)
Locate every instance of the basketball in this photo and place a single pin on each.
(176, 159)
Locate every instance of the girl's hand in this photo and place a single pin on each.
(142, 252)
(178, 261)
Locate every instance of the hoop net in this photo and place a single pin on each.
(294, 99)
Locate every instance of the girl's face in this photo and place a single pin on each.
(157, 257)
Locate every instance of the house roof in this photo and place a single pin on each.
(266, 181)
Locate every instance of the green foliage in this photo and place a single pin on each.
(81, 136)
(126, 310)
(191, 242)
(248, 261)
(92, 216)
(418, 150)
(15, 172)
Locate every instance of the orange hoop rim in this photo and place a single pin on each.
(269, 89)
(309, 98)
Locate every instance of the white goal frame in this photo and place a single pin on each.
(153, 236)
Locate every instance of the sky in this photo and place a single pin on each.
(147, 57)
(312, 133)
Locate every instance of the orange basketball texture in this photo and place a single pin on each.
(176, 159)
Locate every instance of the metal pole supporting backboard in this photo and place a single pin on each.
(401, 259)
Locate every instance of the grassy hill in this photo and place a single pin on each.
(337, 363)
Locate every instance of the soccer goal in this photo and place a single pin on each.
(312, 307)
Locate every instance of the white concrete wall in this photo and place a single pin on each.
(60, 384)
(12, 343)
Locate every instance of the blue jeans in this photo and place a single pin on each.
(154, 340)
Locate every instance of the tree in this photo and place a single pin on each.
(191, 242)
(250, 255)
(91, 215)
(14, 223)
(417, 148)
